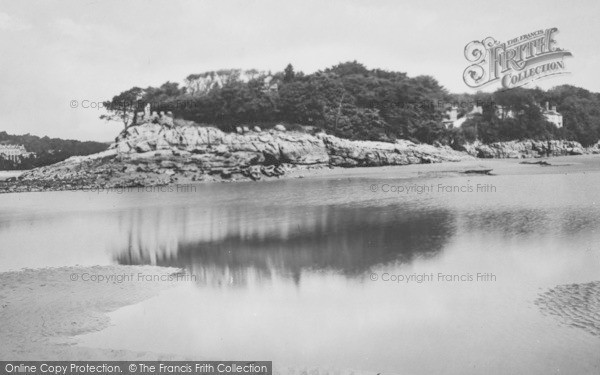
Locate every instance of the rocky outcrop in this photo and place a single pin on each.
(276, 145)
(594, 149)
(525, 149)
(212, 149)
(346, 153)
(161, 150)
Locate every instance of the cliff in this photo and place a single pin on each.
(161, 150)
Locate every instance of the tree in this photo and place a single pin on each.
(348, 68)
(289, 74)
(124, 107)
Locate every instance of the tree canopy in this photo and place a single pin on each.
(351, 101)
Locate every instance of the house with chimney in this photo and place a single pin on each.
(552, 115)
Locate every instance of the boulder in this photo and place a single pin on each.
(268, 170)
(166, 120)
(302, 149)
(594, 149)
(254, 172)
(123, 147)
(143, 146)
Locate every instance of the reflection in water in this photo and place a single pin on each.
(297, 274)
(283, 240)
(533, 221)
(231, 244)
(298, 278)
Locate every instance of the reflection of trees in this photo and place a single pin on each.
(286, 241)
(531, 221)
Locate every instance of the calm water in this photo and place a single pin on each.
(283, 270)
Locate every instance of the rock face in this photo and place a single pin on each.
(525, 149)
(212, 149)
(161, 150)
(346, 153)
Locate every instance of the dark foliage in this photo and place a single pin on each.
(47, 150)
(351, 101)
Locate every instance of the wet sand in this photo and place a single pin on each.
(557, 165)
(552, 165)
(42, 310)
(575, 305)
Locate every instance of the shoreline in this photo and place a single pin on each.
(553, 164)
(156, 152)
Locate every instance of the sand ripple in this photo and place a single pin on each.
(576, 305)
(41, 310)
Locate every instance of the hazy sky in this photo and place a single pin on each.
(52, 52)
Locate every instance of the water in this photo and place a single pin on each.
(284, 270)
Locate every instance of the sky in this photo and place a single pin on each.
(56, 52)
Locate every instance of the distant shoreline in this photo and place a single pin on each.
(158, 153)
(551, 165)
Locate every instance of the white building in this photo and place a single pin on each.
(454, 122)
(503, 112)
(553, 116)
(14, 152)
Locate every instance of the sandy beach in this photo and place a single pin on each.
(575, 305)
(42, 310)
